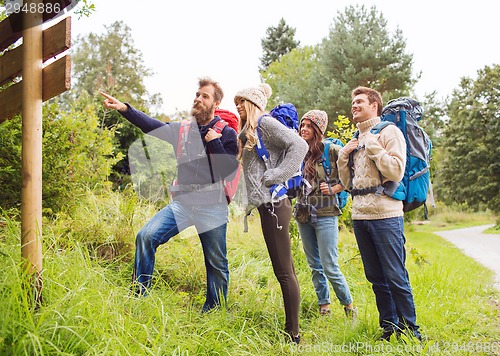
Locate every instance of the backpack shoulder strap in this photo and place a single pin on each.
(350, 162)
(183, 136)
(259, 146)
(380, 126)
(376, 129)
(219, 125)
(325, 159)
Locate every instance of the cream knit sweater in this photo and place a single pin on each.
(384, 152)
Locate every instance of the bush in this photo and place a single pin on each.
(76, 153)
(104, 221)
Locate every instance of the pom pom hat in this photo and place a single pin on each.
(258, 95)
(318, 117)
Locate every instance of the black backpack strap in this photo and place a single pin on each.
(350, 162)
(377, 189)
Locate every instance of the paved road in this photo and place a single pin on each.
(484, 248)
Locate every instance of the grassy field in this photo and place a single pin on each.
(87, 308)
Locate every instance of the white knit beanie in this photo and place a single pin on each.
(258, 95)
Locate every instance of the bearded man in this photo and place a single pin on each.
(205, 158)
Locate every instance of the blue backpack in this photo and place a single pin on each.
(413, 188)
(288, 116)
(325, 160)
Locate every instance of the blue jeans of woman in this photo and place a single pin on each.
(320, 243)
(210, 222)
(381, 244)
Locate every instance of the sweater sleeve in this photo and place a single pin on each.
(140, 119)
(286, 142)
(388, 152)
(151, 126)
(344, 170)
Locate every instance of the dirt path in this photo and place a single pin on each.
(484, 248)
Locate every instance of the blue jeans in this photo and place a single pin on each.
(381, 244)
(320, 243)
(210, 222)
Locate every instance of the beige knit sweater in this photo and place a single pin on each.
(384, 152)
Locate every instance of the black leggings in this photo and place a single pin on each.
(279, 247)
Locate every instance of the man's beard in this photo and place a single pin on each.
(202, 115)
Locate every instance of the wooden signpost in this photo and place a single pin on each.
(41, 81)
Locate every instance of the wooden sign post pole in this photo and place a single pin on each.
(38, 84)
(31, 193)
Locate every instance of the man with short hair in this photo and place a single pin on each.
(377, 218)
(207, 158)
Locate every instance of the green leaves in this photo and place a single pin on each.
(290, 78)
(359, 50)
(111, 62)
(279, 41)
(470, 169)
(77, 153)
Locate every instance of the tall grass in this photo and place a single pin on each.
(87, 308)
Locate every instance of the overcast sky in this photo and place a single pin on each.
(184, 40)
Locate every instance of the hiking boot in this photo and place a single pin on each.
(386, 335)
(417, 334)
(294, 339)
(351, 313)
(324, 310)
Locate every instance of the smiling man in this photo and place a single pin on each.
(377, 218)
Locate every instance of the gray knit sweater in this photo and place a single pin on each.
(286, 153)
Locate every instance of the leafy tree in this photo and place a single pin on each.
(360, 51)
(434, 117)
(86, 8)
(470, 166)
(279, 41)
(111, 62)
(10, 163)
(289, 78)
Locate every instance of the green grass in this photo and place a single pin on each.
(446, 218)
(87, 308)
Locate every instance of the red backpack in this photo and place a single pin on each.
(227, 118)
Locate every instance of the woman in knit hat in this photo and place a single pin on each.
(287, 151)
(316, 214)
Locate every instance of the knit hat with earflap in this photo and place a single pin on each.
(258, 95)
(318, 117)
